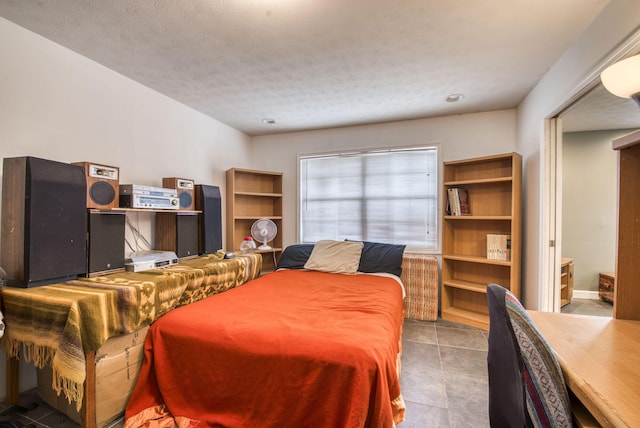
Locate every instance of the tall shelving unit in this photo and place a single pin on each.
(252, 195)
(494, 186)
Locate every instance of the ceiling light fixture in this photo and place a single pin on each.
(268, 121)
(623, 78)
(454, 98)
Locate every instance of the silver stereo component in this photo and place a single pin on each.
(151, 259)
(136, 196)
(136, 189)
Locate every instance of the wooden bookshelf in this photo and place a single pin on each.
(252, 195)
(494, 187)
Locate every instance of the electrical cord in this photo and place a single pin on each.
(137, 236)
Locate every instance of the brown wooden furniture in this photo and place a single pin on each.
(606, 287)
(494, 186)
(566, 281)
(177, 232)
(252, 195)
(599, 357)
(627, 283)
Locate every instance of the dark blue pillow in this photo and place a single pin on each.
(379, 257)
(295, 256)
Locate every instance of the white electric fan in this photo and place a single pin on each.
(264, 230)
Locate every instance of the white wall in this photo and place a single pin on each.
(589, 204)
(58, 105)
(461, 136)
(615, 23)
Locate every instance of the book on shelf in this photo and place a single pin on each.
(498, 247)
(458, 201)
(451, 204)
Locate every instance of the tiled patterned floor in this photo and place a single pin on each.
(588, 307)
(444, 376)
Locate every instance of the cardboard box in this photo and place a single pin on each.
(118, 363)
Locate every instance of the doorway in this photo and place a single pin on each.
(586, 197)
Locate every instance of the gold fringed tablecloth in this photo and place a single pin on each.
(56, 324)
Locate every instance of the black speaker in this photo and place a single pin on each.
(178, 233)
(44, 222)
(106, 242)
(208, 201)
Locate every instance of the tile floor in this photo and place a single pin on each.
(588, 307)
(444, 376)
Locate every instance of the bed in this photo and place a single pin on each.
(318, 346)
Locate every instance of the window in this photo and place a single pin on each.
(383, 196)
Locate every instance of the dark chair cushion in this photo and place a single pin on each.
(522, 363)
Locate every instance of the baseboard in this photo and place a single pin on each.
(584, 294)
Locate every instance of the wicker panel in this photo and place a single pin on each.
(420, 278)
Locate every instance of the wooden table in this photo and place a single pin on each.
(600, 360)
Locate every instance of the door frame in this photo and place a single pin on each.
(549, 296)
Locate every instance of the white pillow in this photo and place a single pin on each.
(335, 256)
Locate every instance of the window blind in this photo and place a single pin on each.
(383, 196)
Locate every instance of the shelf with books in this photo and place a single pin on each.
(478, 217)
(492, 188)
(458, 201)
(499, 246)
(477, 259)
(458, 183)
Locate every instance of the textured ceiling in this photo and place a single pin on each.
(311, 64)
(599, 110)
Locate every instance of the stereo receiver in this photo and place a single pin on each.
(136, 196)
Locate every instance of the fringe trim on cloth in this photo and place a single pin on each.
(399, 409)
(72, 390)
(37, 354)
(159, 417)
(40, 356)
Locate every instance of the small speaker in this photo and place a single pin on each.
(106, 242)
(184, 188)
(178, 233)
(102, 185)
(44, 221)
(208, 201)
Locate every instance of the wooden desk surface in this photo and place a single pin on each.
(600, 360)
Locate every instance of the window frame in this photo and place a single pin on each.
(364, 150)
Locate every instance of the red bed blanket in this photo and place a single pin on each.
(290, 349)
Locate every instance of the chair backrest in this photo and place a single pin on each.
(526, 387)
